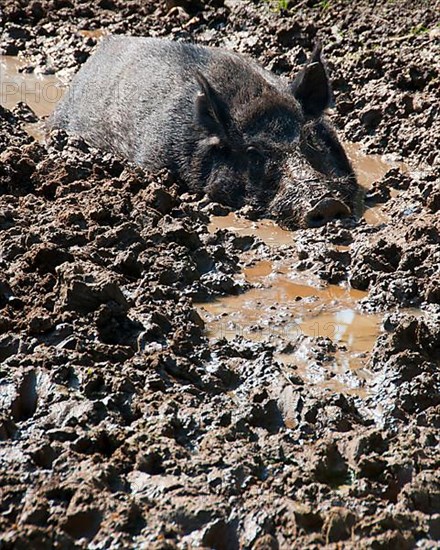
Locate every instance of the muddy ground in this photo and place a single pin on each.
(122, 424)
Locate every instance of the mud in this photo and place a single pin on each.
(133, 412)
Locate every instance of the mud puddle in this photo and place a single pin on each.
(40, 92)
(371, 168)
(93, 33)
(267, 230)
(283, 309)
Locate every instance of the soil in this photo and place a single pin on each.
(126, 420)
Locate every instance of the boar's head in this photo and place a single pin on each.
(269, 144)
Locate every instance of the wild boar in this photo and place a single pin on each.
(221, 123)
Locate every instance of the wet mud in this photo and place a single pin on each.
(175, 375)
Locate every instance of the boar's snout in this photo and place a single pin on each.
(326, 210)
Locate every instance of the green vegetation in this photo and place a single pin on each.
(278, 5)
(419, 29)
(324, 4)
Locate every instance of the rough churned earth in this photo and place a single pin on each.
(122, 425)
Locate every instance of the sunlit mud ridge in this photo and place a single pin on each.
(174, 375)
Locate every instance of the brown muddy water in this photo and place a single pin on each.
(282, 306)
(40, 92)
(371, 168)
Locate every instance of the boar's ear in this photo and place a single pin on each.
(311, 87)
(210, 111)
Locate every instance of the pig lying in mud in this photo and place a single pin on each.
(219, 122)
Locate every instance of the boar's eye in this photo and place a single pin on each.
(255, 156)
